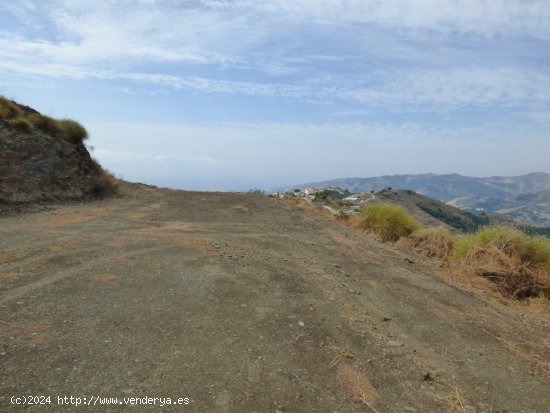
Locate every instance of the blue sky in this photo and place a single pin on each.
(240, 94)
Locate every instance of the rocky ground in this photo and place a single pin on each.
(243, 303)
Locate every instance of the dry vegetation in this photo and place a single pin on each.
(386, 221)
(105, 183)
(66, 129)
(433, 242)
(518, 264)
(498, 257)
(515, 264)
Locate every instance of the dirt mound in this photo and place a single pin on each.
(36, 166)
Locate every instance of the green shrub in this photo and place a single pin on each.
(21, 123)
(72, 131)
(536, 252)
(389, 222)
(502, 237)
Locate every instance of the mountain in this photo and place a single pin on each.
(445, 187)
(525, 199)
(531, 208)
(431, 212)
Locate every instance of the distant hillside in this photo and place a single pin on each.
(432, 212)
(522, 198)
(530, 209)
(45, 159)
(445, 187)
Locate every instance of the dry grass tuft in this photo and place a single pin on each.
(9, 110)
(72, 131)
(432, 242)
(106, 278)
(388, 222)
(105, 183)
(45, 124)
(537, 361)
(497, 258)
(516, 263)
(66, 129)
(340, 354)
(358, 385)
(21, 123)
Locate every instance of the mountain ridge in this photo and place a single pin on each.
(507, 184)
(516, 197)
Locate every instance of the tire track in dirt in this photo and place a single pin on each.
(74, 271)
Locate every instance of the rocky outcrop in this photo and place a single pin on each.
(35, 166)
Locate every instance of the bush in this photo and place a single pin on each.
(535, 252)
(502, 237)
(72, 131)
(517, 263)
(387, 221)
(21, 123)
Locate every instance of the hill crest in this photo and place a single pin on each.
(45, 159)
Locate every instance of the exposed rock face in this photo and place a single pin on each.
(35, 166)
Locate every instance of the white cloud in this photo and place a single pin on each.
(481, 17)
(164, 42)
(222, 32)
(428, 90)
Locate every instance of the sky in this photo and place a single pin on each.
(235, 95)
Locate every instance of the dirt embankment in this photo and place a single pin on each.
(35, 166)
(243, 303)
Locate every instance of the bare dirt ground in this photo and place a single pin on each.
(247, 304)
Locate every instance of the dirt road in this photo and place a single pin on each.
(242, 303)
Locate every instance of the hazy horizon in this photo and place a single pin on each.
(234, 95)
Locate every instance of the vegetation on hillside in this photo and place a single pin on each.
(434, 242)
(511, 261)
(389, 222)
(454, 217)
(66, 129)
(516, 263)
